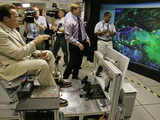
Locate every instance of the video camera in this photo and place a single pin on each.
(53, 12)
(29, 16)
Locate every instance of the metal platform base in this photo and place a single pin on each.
(79, 107)
(7, 112)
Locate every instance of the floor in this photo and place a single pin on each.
(147, 106)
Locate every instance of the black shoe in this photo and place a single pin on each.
(65, 84)
(75, 77)
(63, 102)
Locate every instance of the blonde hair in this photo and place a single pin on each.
(74, 6)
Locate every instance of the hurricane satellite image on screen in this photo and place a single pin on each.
(138, 35)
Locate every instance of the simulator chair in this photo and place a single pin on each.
(16, 100)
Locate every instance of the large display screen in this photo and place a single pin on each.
(138, 32)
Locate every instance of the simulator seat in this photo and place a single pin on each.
(9, 89)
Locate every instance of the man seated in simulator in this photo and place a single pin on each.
(16, 57)
(105, 30)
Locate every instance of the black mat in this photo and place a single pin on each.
(38, 104)
(40, 115)
(94, 92)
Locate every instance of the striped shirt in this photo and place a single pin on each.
(71, 29)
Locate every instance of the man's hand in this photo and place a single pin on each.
(43, 55)
(89, 42)
(41, 38)
(81, 47)
(105, 31)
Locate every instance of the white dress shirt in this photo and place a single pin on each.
(60, 22)
(101, 26)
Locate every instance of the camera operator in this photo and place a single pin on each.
(36, 28)
(17, 57)
(58, 27)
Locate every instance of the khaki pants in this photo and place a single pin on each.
(43, 68)
(46, 68)
(102, 45)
